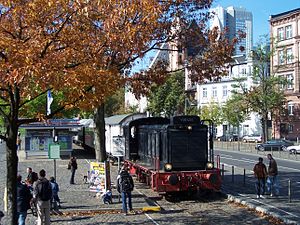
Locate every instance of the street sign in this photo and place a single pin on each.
(54, 151)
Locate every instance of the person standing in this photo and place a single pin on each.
(42, 193)
(272, 184)
(55, 201)
(73, 166)
(23, 200)
(19, 140)
(260, 172)
(125, 187)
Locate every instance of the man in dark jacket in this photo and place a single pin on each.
(23, 200)
(260, 172)
(73, 166)
(125, 187)
(272, 184)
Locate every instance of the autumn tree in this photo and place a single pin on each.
(83, 51)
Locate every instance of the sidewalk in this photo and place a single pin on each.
(244, 193)
(78, 203)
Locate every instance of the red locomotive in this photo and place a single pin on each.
(172, 155)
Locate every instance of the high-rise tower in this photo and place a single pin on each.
(235, 20)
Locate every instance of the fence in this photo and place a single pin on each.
(250, 148)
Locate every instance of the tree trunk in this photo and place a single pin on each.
(12, 169)
(100, 134)
(265, 127)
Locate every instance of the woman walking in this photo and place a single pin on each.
(73, 167)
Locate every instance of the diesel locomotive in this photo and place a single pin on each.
(172, 155)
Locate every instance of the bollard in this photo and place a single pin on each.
(289, 190)
(222, 171)
(244, 176)
(232, 170)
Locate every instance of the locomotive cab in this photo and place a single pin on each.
(185, 145)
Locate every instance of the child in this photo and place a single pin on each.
(107, 197)
(55, 201)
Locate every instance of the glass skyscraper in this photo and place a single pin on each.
(235, 20)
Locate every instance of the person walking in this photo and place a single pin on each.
(73, 167)
(55, 201)
(260, 173)
(125, 187)
(272, 184)
(23, 200)
(42, 194)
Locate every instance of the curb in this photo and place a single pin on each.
(259, 209)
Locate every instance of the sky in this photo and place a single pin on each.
(261, 10)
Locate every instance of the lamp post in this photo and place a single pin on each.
(188, 103)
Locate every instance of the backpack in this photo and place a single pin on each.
(125, 183)
(44, 190)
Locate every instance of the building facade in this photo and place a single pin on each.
(285, 36)
(219, 92)
(235, 20)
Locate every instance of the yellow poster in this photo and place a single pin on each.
(97, 177)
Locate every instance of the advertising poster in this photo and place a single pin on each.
(97, 177)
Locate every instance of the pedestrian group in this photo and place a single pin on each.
(38, 194)
(266, 176)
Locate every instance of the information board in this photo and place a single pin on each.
(54, 151)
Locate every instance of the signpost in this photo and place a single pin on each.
(54, 153)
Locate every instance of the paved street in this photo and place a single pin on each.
(288, 170)
(81, 207)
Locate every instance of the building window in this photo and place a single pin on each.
(291, 109)
(214, 92)
(290, 128)
(280, 34)
(204, 92)
(288, 32)
(280, 57)
(224, 91)
(289, 55)
(290, 80)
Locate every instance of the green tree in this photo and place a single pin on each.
(168, 99)
(235, 111)
(213, 112)
(265, 96)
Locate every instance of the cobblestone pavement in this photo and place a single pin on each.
(76, 198)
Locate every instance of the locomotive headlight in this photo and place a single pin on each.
(189, 127)
(209, 165)
(168, 167)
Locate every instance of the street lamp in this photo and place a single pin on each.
(188, 103)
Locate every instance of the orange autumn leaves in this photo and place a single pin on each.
(82, 49)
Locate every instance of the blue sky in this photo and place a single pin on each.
(261, 10)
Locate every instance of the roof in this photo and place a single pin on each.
(284, 14)
(54, 123)
(118, 119)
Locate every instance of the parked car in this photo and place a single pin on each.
(294, 149)
(252, 138)
(227, 137)
(275, 145)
